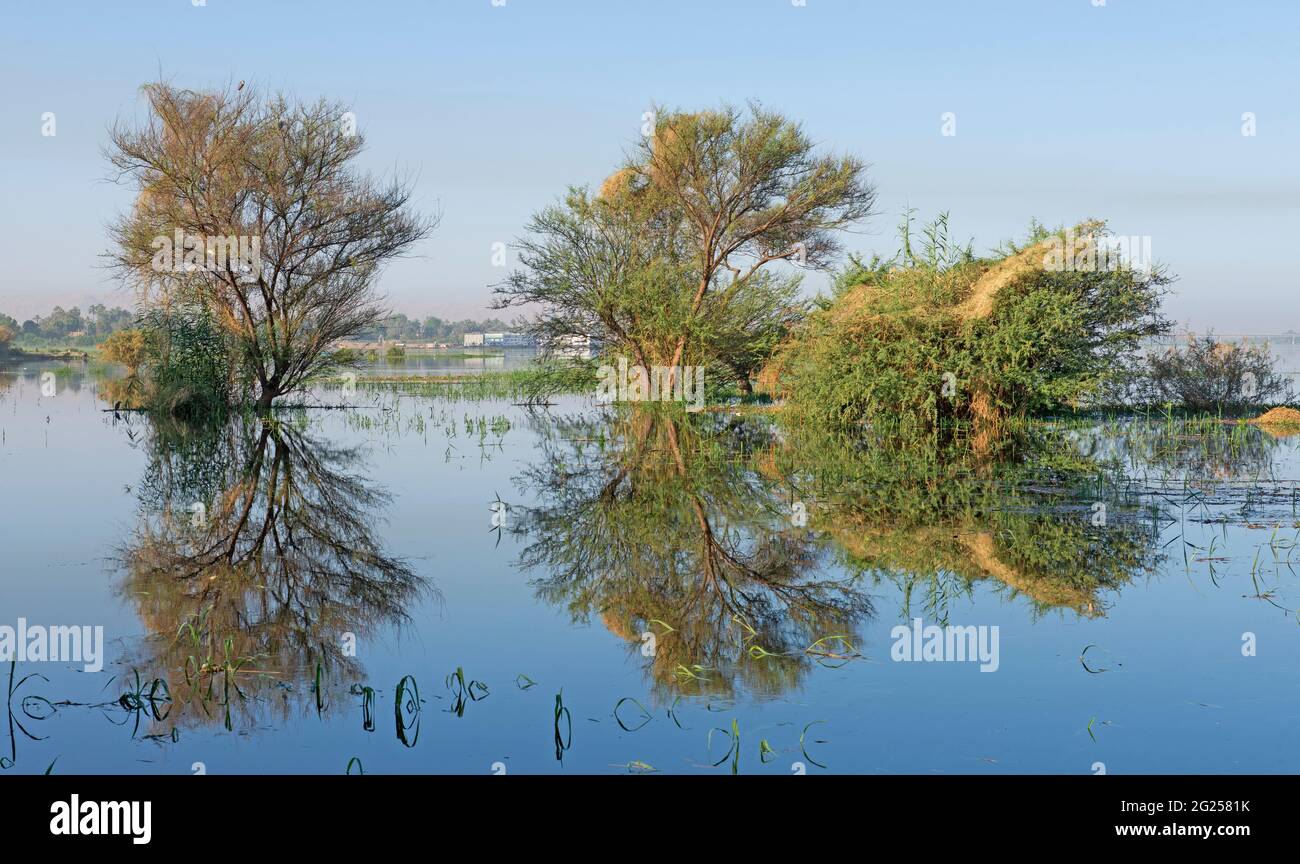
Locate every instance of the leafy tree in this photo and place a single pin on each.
(669, 256)
(61, 323)
(104, 321)
(281, 175)
(127, 347)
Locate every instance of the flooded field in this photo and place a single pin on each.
(456, 361)
(416, 585)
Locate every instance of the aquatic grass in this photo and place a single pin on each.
(406, 710)
(464, 692)
(845, 653)
(733, 749)
(694, 672)
(562, 741)
(533, 386)
(367, 695)
(318, 688)
(7, 762)
(500, 508)
(202, 663)
(173, 736)
(145, 696)
(803, 743)
(645, 717)
(672, 713)
(1084, 663)
(145, 699)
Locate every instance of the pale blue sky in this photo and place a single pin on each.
(1065, 110)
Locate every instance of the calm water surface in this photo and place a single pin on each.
(769, 565)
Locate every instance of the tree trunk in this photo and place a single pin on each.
(265, 399)
(681, 341)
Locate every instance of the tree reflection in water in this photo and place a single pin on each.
(1040, 517)
(254, 559)
(689, 527)
(655, 522)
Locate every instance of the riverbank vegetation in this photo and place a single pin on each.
(672, 263)
(64, 329)
(936, 334)
(691, 254)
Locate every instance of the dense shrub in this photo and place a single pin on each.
(189, 366)
(1206, 374)
(936, 334)
(127, 347)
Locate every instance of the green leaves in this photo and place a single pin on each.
(1007, 334)
(670, 264)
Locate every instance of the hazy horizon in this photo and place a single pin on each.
(1120, 112)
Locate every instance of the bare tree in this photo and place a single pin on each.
(252, 208)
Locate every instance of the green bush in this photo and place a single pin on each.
(1207, 374)
(128, 347)
(189, 366)
(936, 335)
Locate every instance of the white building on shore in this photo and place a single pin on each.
(499, 340)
